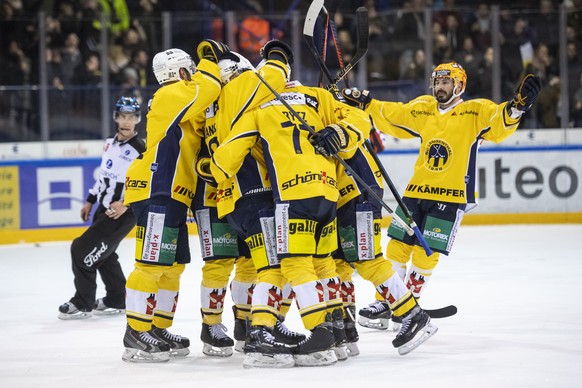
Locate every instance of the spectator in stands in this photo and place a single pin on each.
(118, 15)
(546, 24)
(480, 24)
(70, 58)
(470, 58)
(485, 75)
(548, 104)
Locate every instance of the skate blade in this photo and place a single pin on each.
(425, 333)
(322, 358)
(341, 352)
(108, 312)
(259, 360)
(76, 316)
(140, 356)
(239, 346)
(214, 351)
(378, 324)
(353, 349)
(181, 352)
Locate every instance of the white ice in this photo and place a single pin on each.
(519, 324)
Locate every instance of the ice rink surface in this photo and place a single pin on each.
(518, 290)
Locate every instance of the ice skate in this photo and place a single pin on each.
(317, 350)
(240, 331)
(285, 336)
(178, 344)
(100, 308)
(261, 350)
(339, 333)
(141, 346)
(375, 316)
(416, 328)
(216, 342)
(68, 311)
(352, 335)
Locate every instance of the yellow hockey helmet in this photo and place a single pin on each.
(450, 70)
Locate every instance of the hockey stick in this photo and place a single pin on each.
(396, 195)
(329, 26)
(362, 43)
(344, 164)
(308, 28)
(443, 312)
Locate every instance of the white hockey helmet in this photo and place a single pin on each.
(167, 65)
(232, 66)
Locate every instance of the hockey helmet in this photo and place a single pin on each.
(127, 105)
(232, 66)
(167, 65)
(450, 70)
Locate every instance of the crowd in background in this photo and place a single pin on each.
(460, 30)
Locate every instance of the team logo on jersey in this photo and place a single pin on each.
(438, 155)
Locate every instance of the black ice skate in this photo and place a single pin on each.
(317, 350)
(240, 331)
(285, 336)
(352, 335)
(261, 350)
(416, 328)
(68, 311)
(100, 308)
(141, 346)
(375, 316)
(216, 342)
(339, 332)
(178, 344)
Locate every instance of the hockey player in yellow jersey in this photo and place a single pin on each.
(443, 182)
(299, 228)
(159, 187)
(221, 248)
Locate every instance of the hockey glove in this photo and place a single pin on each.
(526, 93)
(354, 97)
(203, 170)
(330, 140)
(278, 50)
(212, 50)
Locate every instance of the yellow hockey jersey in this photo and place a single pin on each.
(243, 93)
(295, 169)
(446, 165)
(172, 142)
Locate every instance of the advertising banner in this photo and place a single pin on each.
(45, 193)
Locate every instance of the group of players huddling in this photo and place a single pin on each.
(273, 203)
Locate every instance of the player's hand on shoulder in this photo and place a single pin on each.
(358, 98)
(278, 50)
(212, 50)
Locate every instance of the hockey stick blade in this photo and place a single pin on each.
(361, 43)
(443, 312)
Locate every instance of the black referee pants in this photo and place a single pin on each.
(94, 251)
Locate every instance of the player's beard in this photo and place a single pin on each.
(443, 96)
